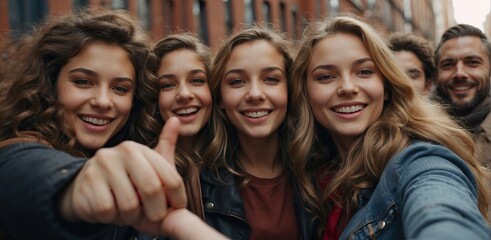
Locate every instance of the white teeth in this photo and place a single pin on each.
(461, 88)
(95, 121)
(349, 109)
(256, 114)
(186, 111)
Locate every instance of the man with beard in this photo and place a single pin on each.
(463, 61)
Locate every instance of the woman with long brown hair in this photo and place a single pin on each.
(247, 184)
(388, 163)
(77, 87)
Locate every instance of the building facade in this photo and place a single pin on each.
(214, 19)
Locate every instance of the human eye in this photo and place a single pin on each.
(197, 81)
(272, 80)
(412, 75)
(236, 82)
(326, 77)
(473, 62)
(167, 86)
(446, 65)
(81, 82)
(121, 89)
(365, 72)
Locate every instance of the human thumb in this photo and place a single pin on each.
(166, 145)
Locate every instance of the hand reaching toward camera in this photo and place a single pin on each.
(129, 184)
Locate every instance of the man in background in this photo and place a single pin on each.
(463, 61)
(414, 55)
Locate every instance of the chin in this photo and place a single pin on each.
(92, 145)
(188, 133)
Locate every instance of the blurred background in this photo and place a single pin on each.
(214, 19)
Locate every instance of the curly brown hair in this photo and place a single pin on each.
(29, 103)
(420, 47)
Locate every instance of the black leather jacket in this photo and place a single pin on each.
(224, 209)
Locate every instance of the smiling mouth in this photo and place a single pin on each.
(186, 111)
(349, 109)
(258, 114)
(96, 121)
(461, 87)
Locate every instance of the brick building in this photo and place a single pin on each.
(213, 19)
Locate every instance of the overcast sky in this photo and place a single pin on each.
(472, 12)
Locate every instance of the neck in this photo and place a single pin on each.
(260, 157)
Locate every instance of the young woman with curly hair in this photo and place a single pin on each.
(78, 86)
(389, 163)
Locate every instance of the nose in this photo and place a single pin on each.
(255, 92)
(347, 87)
(102, 99)
(460, 72)
(184, 94)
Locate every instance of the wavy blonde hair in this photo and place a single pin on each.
(189, 41)
(30, 102)
(225, 144)
(406, 117)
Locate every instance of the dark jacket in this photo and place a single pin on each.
(224, 209)
(31, 177)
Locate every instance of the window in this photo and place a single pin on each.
(144, 13)
(267, 12)
(249, 12)
(228, 15)
(407, 16)
(318, 8)
(199, 12)
(78, 4)
(168, 12)
(358, 4)
(333, 7)
(25, 13)
(283, 17)
(119, 4)
(295, 33)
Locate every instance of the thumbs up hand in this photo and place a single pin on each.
(128, 184)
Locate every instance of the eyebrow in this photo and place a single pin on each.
(96, 75)
(171, 75)
(264, 70)
(332, 66)
(414, 70)
(466, 57)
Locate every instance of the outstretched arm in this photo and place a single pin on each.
(183, 225)
(439, 196)
(129, 184)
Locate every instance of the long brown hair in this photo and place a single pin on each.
(225, 144)
(406, 117)
(30, 102)
(191, 42)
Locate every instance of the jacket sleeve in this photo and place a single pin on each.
(31, 177)
(438, 195)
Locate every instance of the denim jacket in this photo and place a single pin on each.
(224, 209)
(425, 192)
